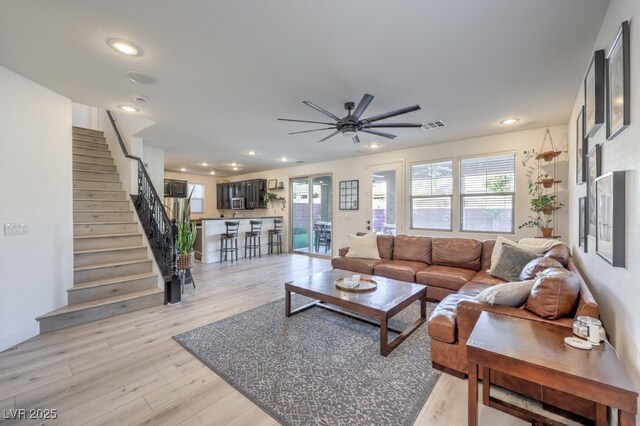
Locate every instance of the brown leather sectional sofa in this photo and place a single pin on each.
(454, 270)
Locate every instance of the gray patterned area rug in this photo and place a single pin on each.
(319, 367)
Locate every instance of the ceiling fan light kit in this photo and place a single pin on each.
(350, 125)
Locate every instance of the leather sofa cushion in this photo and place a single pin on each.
(560, 252)
(457, 252)
(385, 245)
(355, 264)
(445, 276)
(413, 248)
(487, 250)
(442, 322)
(486, 278)
(403, 270)
(554, 295)
(531, 269)
(473, 288)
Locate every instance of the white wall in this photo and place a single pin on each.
(153, 159)
(85, 116)
(35, 167)
(209, 183)
(617, 290)
(354, 168)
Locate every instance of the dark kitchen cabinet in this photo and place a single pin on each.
(251, 190)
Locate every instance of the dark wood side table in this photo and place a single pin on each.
(536, 352)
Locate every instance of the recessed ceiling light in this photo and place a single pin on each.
(212, 172)
(374, 146)
(251, 153)
(508, 121)
(183, 169)
(284, 159)
(124, 47)
(235, 168)
(234, 164)
(141, 77)
(204, 164)
(128, 108)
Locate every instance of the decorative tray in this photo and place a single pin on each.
(365, 284)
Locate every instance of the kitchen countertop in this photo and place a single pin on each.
(240, 218)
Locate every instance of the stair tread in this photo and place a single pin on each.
(109, 281)
(105, 223)
(100, 302)
(130, 234)
(91, 180)
(90, 162)
(101, 200)
(95, 171)
(102, 250)
(98, 189)
(109, 265)
(101, 211)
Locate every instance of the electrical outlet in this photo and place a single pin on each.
(19, 228)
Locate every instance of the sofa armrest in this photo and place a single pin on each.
(343, 251)
(469, 311)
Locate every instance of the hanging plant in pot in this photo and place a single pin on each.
(186, 236)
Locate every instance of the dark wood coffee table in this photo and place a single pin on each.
(536, 351)
(375, 307)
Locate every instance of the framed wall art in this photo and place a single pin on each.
(594, 94)
(348, 195)
(593, 171)
(581, 157)
(618, 83)
(582, 224)
(611, 217)
(272, 184)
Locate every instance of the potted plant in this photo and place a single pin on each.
(271, 196)
(542, 202)
(546, 181)
(539, 222)
(186, 236)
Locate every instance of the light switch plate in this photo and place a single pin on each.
(19, 228)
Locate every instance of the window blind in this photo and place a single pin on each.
(431, 195)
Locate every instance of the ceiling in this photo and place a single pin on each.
(227, 70)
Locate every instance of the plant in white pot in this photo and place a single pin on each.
(186, 238)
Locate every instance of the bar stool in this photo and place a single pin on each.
(229, 240)
(275, 236)
(252, 239)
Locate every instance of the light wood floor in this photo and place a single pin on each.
(127, 369)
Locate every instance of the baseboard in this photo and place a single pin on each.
(448, 370)
(19, 335)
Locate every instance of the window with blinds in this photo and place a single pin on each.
(197, 197)
(487, 193)
(431, 195)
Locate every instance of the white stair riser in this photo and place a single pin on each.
(77, 143)
(93, 159)
(104, 177)
(82, 294)
(99, 312)
(90, 184)
(106, 242)
(103, 229)
(79, 150)
(83, 194)
(112, 256)
(111, 272)
(78, 165)
(84, 217)
(101, 205)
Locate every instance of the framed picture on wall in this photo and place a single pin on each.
(610, 217)
(593, 172)
(582, 224)
(348, 195)
(594, 94)
(618, 83)
(581, 157)
(272, 184)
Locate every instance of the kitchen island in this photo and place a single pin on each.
(207, 244)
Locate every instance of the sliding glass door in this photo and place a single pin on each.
(311, 214)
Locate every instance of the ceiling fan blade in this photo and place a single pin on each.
(391, 114)
(389, 125)
(317, 108)
(355, 139)
(330, 136)
(304, 121)
(364, 103)
(313, 130)
(383, 134)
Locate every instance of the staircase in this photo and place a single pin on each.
(112, 272)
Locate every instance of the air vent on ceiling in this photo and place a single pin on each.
(140, 98)
(142, 78)
(433, 125)
(299, 162)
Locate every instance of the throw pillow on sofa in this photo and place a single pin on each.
(507, 294)
(537, 265)
(511, 262)
(554, 295)
(501, 242)
(365, 247)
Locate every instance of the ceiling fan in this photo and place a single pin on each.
(350, 125)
